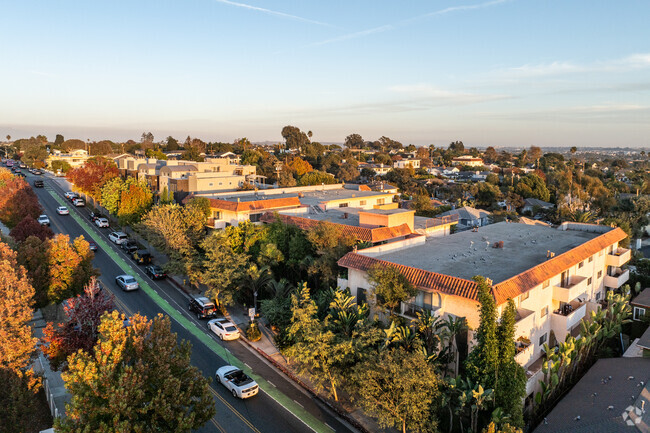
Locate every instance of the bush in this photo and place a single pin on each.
(253, 332)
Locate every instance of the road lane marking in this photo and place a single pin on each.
(235, 411)
(282, 399)
(271, 383)
(333, 429)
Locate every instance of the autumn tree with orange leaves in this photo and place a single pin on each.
(137, 378)
(300, 166)
(17, 199)
(17, 345)
(70, 267)
(91, 176)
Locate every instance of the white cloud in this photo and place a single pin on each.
(634, 61)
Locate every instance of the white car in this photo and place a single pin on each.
(118, 237)
(69, 195)
(79, 202)
(44, 220)
(101, 222)
(127, 282)
(62, 210)
(239, 384)
(224, 328)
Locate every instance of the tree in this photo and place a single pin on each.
(62, 166)
(422, 205)
(137, 379)
(58, 141)
(17, 346)
(329, 244)
(294, 138)
(200, 205)
(391, 288)
(166, 197)
(348, 171)
(91, 176)
(70, 267)
(510, 387)
(399, 388)
(33, 256)
(354, 141)
(533, 186)
(111, 193)
(482, 363)
(30, 227)
(17, 200)
(80, 329)
(135, 200)
(72, 144)
(487, 194)
(172, 144)
(300, 166)
(316, 177)
(316, 350)
(490, 155)
(222, 267)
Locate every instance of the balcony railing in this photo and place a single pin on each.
(566, 318)
(571, 289)
(618, 257)
(523, 353)
(617, 278)
(410, 310)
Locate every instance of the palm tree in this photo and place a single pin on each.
(426, 324)
(583, 217)
(256, 280)
(452, 328)
(280, 289)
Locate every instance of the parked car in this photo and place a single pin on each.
(118, 237)
(130, 246)
(92, 245)
(79, 202)
(155, 272)
(38, 184)
(71, 195)
(127, 282)
(93, 216)
(224, 328)
(37, 172)
(203, 307)
(101, 222)
(44, 220)
(238, 382)
(141, 257)
(62, 210)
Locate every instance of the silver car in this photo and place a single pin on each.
(127, 282)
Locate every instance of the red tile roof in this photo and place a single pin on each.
(510, 288)
(375, 235)
(255, 205)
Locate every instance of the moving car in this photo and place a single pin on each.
(155, 272)
(94, 216)
(92, 245)
(71, 195)
(224, 328)
(238, 382)
(44, 220)
(127, 282)
(38, 184)
(62, 210)
(101, 222)
(141, 257)
(79, 202)
(203, 307)
(37, 172)
(118, 237)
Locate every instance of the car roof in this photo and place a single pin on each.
(119, 233)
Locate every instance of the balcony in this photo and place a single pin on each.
(524, 322)
(616, 277)
(410, 310)
(534, 374)
(618, 257)
(575, 287)
(567, 318)
(524, 351)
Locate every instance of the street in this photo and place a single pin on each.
(269, 411)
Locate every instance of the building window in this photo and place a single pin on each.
(581, 264)
(216, 214)
(546, 284)
(343, 204)
(600, 274)
(362, 203)
(255, 217)
(542, 339)
(544, 311)
(210, 184)
(589, 281)
(598, 296)
(638, 313)
(591, 259)
(361, 295)
(525, 295)
(381, 201)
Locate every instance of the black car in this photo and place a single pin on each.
(38, 184)
(130, 246)
(155, 272)
(93, 216)
(203, 307)
(141, 257)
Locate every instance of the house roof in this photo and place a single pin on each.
(467, 213)
(537, 202)
(373, 235)
(644, 341)
(254, 205)
(510, 287)
(610, 382)
(179, 168)
(642, 299)
(532, 222)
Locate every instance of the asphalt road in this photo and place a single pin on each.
(261, 413)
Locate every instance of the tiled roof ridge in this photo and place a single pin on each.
(418, 277)
(526, 280)
(254, 204)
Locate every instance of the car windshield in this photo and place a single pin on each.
(129, 280)
(157, 270)
(231, 328)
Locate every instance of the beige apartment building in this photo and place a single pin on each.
(556, 277)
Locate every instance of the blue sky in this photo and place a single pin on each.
(501, 72)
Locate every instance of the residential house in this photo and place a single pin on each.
(641, 305)
(75, 157)
(556, 277)
(531, 205)
(467, 160)
(407, 163)
(469, 217)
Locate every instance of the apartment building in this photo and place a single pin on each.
(467, 160)
(407, 163)
(556, 277)
(76, 157)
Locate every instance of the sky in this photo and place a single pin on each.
(488, 73)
